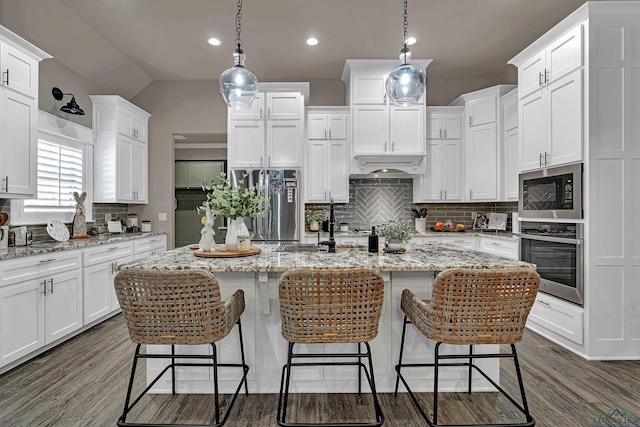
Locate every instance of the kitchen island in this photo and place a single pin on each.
(265, 348)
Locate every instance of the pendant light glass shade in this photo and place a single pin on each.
(238, 85)
(406, 84)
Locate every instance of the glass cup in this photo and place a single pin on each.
(244, 243)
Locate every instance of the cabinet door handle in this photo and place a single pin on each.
(260, 160)
(440, 194)
(44, 287)
(440, 133)
(445, 133)
(546, 161)
(51, 284)
(325, 194)
(6, 81)
(384, 101)
(385, 146)
(325, 134)
(269, 113)
(329, 194)
(329, 133)
(546, 75)
(445, 194)
(6, 183)
(540, 159)
(260, 112)
(269, 161)
(540, 78)
(470, 194)
(393, 146)
(470, 121)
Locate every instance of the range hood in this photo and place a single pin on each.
(411, 164)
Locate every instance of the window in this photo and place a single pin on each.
(64, 165)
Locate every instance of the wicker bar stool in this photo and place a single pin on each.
(330, 306)
(178, 307)
(471, 306)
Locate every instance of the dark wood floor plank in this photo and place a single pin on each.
(83, 383)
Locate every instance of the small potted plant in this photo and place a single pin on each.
(397, 232)
(313, 219)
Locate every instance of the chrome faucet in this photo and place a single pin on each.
(331, 243)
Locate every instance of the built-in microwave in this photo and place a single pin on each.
(551, 193)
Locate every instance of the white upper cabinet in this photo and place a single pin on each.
(482, 110)
(19, 62)
(484, 154)
(442, 181)
(482, 162)
(551, 124)
(558, 59)
(327, 159)
(120, 152)
(550, 103)
(378, 127)
(270, 133)
(510, 144)
(444, 126)
(327, 126)
(384, 129)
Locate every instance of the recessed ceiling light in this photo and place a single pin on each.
(312, 41)
(411, 41)
(213, 41)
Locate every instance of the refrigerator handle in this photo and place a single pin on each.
(260, 220)
(267, 201)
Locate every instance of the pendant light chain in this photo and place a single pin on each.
(406, 32)
(239, 25)
(406, 25)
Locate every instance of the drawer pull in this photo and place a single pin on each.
(113, 249)
(543, 302)
(45, 261)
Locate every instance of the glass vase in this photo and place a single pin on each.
(236, 228)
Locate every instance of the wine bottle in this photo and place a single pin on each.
(373, 240)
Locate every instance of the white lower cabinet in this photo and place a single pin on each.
(551, 314)
(462, 242)
(500, 247)
(40, 302)
(149, 246)
(101, 265)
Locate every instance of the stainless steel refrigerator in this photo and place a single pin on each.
(282, 201)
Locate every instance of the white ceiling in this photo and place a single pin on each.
(123, 45)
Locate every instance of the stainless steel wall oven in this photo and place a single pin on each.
(557, 250)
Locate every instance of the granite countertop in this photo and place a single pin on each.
(436, 257)
(446, 234)
(39, 248)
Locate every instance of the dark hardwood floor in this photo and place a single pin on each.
(83, 382)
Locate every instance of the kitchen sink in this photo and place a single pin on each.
(311, 247)
(298, 247)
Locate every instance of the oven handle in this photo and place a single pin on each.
(551, 239)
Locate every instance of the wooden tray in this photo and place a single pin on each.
(394, 251)
(449, 229)
(219, 253)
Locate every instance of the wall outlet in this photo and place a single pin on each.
(107, 217)
(162, 216)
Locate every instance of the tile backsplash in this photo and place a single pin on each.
(99, 210)
(377, 200)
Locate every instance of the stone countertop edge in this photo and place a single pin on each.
(505, 235)
(40, 248)
(434, 257)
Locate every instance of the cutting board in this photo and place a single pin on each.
(219, 253)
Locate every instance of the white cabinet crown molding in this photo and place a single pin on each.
(20, 43)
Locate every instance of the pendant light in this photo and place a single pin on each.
(406, 84)
(238, 85)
